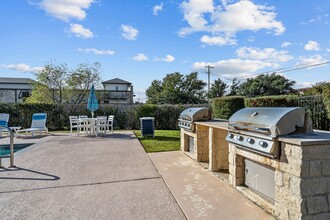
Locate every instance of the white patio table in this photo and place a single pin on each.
(87, 126)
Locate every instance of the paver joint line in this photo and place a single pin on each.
(83, 184)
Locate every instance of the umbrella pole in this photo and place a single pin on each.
(92, 114)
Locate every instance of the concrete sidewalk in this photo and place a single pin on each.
(200, 194)
(66, 177)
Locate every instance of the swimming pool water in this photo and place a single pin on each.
(5, 148)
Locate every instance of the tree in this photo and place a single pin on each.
(218, 89)
(233, 89)
(50, 84)
(81, 79)
(267, 84)
(55, 84)
(176, 88)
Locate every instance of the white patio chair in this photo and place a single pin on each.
(4, 118)
(101, 125)
(74, 123)
(83, 126)
(110, 123)
(38, 124)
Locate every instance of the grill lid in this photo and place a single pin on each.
(271, 121)
(194, 114)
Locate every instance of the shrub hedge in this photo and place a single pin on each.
(224, 107)
(272, 101)
(126, 117)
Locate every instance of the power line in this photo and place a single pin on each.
(287, 69)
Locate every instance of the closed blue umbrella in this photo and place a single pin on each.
(93, 103)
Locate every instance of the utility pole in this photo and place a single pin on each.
(208, 75)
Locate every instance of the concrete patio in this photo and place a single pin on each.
(66, 177)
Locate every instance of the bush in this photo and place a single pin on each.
(273, 101)
(21, 114)
(126, 116)
(224, 107)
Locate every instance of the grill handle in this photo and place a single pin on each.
(254, 129)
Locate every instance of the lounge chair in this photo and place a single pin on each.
(4, 118)
(38, 124)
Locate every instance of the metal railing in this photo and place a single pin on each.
(11, 155)
(317, 111)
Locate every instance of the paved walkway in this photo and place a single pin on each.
(65, 177)
(200, 194)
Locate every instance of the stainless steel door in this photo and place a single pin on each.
(260, 178)
(191, 145)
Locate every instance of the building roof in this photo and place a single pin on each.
(116, 81)
(7, 80)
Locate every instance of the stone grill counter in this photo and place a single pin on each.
(302, 176)
(209, 144)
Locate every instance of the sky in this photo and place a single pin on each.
(143, 40)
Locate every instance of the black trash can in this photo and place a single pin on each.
(147, 126)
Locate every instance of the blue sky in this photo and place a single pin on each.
(143, 40)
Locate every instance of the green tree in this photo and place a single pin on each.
(81, 79)
(56, 84)
(233, 89)
(50, 85)
(267, 84)
(176, 88)
(218, 89)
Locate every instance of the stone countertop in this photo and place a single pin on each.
(318, 138)
(215, 123)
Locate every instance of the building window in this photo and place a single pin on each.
(116, 88)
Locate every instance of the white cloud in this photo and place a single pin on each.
(228, 19)
(312, 45)
(285, 44)
(22, 67)
(268, 54)
(168, 58)
(157, 8)
(304, 61)
(220, 41)
(80, 31)
(140, 57)
(66, 10)
(96, 51)
(129, 32)
(328, 50)
(303, 85)
(233, 67)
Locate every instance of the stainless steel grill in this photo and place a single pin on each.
(190, 115)
(257, 129)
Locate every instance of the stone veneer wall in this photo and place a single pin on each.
(302, 180)
(202, 147)
(218, 149)
(184, 142)
(209, 146)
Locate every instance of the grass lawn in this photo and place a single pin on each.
(165, 140)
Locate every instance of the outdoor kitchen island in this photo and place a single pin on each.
(278, 161)
(207, 143)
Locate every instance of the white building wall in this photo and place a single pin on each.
(121, 87)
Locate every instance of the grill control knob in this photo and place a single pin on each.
(240, 138)
(263, 144)
(231, 136)
(250, 141)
